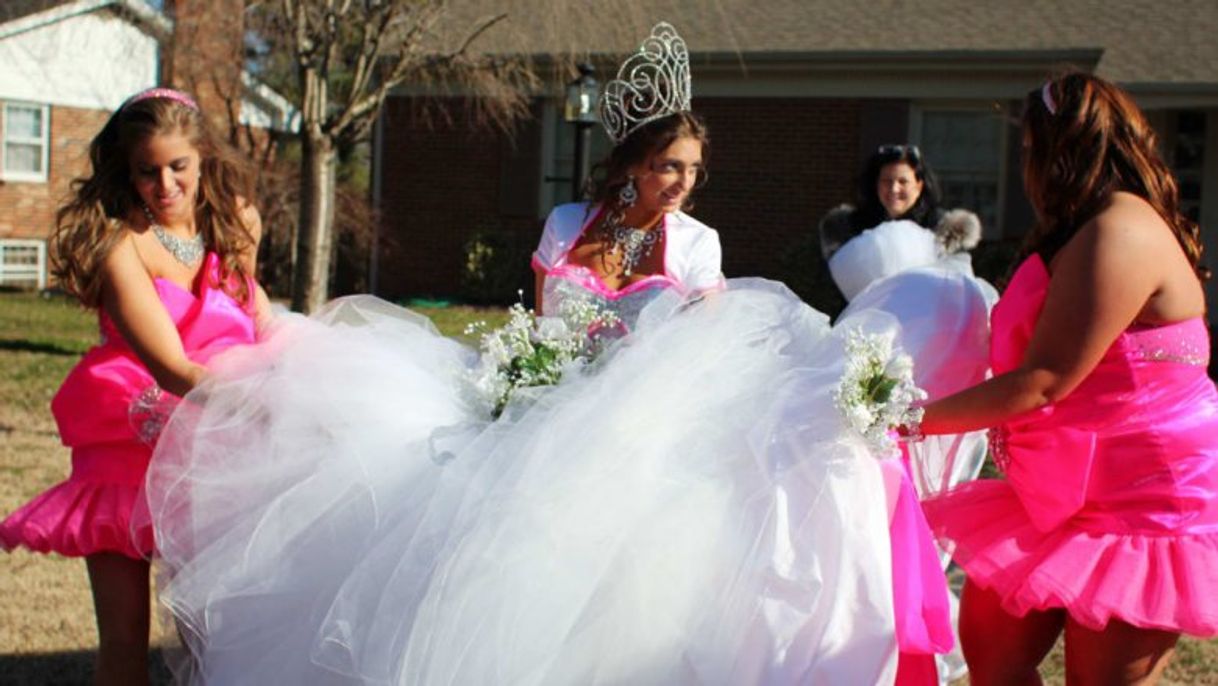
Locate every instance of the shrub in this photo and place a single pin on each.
(496, 268)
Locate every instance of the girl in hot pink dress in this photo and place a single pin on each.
(1106, 425)
(161, 244)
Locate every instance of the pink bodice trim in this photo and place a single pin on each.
(589, 280)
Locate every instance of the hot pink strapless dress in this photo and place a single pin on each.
(108, 415)
(1109, 508)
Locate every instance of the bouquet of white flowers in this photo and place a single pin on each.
(532, 351)
(876, 392)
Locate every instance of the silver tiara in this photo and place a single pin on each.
(652, 83)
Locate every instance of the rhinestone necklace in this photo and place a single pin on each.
(634, 244)
(188, 251)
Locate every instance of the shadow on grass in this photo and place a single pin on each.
(68, 668)
(26, 346)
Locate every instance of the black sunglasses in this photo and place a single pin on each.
(910, 152)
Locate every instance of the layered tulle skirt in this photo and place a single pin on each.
(332, 507)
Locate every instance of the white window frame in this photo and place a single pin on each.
(44, 144)
(916, 112)
(23, 272)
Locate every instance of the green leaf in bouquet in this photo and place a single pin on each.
(883, 389)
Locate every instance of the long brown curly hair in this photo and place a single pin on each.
(654, 137)
(89, 225)
(1096, 142)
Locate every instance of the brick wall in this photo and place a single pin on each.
(27, 210)
(205, 55)
(442, 184)
(776, 166)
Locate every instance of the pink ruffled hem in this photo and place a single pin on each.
(77, 518)
(1152, 581)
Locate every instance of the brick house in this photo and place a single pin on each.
(64, 67)
(797, 93)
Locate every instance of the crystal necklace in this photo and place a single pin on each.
(188, 251)
(634, 244)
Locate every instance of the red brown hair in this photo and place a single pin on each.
(1085, 139)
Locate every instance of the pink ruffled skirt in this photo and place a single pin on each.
(90, 512)
(1095, 565)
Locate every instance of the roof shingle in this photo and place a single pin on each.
(1147, 41)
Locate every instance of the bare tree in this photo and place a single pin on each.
(347, 56)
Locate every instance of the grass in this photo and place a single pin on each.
(46, 622)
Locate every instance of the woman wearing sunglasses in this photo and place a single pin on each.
(900, 253)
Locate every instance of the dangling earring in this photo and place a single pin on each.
(628, 193)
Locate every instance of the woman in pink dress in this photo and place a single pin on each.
(160, 241)
(1105, 422)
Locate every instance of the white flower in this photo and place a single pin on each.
(860, 417)
(876, 392)
(552, 329)
(899, 367)
(531, 351)
(495, 351)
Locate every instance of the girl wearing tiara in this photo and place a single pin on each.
(691, 508)
(160, 241)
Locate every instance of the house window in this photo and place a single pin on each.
(966, 148)
(23, 263)
(26, 140)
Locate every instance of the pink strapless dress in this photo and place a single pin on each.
(108, 415)
(1109, 508)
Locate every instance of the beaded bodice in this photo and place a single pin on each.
(691, 260)
(573, 281)
(1184, 342)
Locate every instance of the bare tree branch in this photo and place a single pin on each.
(473, 36)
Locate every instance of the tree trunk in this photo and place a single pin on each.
(314, 243)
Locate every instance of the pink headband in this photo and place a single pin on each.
(1046, 96)
(167, 93)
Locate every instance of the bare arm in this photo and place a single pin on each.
(1101, 281)
(249, 260)
(130, 298)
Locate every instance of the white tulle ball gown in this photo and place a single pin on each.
(332, 507)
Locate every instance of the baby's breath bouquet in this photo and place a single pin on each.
(877, 392)
(532, 351)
